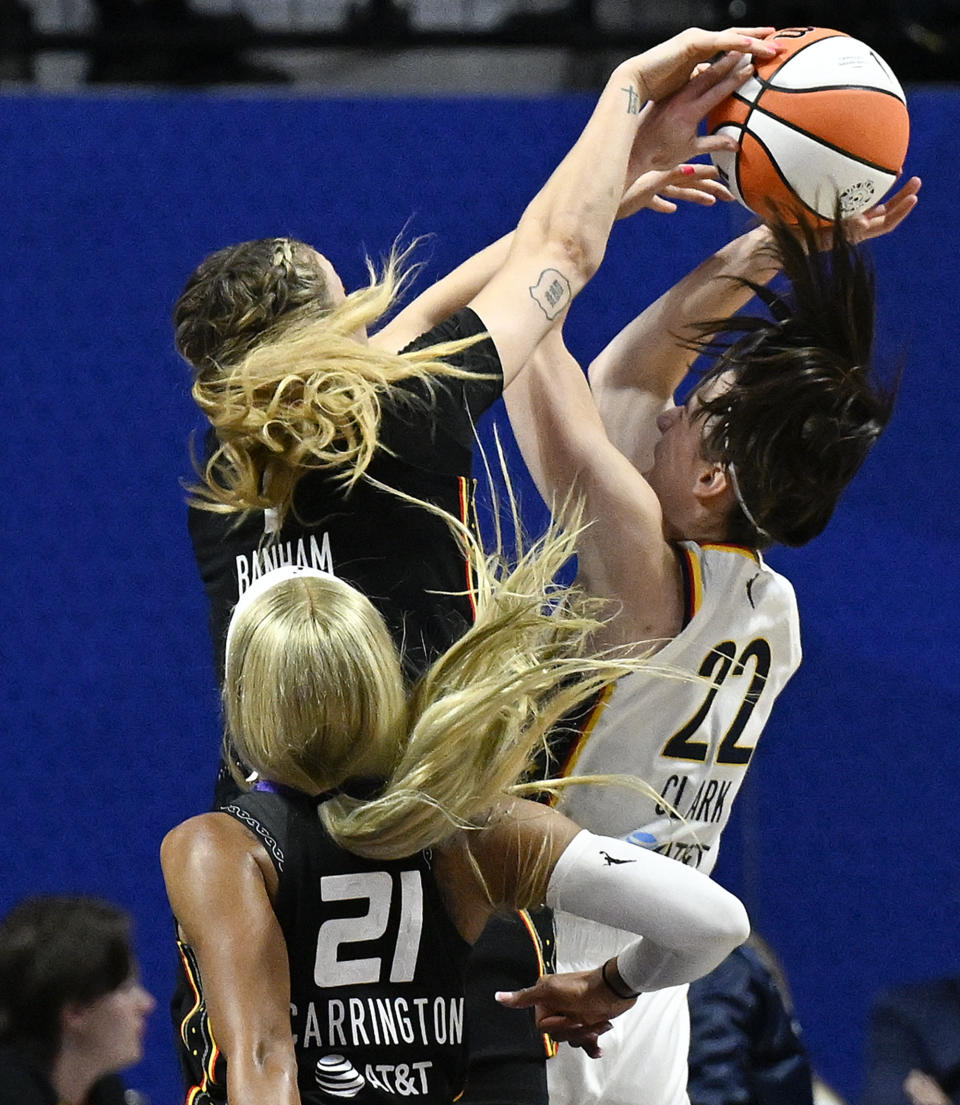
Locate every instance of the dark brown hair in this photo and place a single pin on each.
(236, 296)
(54, 951)
(804, 407)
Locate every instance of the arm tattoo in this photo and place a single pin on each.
(634, 103)
(551, 293)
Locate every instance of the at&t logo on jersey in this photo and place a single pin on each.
(338, 1076)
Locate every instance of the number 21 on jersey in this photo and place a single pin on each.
(377, 889)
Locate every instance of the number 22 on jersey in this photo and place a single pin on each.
(721, 663)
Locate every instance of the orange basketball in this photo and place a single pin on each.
(825, 118)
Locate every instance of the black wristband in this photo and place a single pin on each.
(628, 996)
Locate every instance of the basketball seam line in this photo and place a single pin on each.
(799, 50)
(814, 138)
(818, 88)
(765, 82)
(786, 183)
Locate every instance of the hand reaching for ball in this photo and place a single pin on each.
(885, 216)
(661, 190)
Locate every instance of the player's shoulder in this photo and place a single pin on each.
(717, 568)
(200, 840)
(465, 323)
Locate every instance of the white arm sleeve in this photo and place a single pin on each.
(687, 921)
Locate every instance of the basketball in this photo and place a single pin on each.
(825, 118)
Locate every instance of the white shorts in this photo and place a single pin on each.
(645, 1054)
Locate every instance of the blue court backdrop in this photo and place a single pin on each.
(844, 842)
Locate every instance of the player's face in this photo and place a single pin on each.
(678, 459)
(111, 1028)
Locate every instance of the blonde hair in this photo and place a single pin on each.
(314, 697)
(305, 393)
(313, 692)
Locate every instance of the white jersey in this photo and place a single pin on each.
(691, 740)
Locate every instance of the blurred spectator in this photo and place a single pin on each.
(72, 1009)
(16, 26)
(379, 17)
(745, 1045)
(913, 1045)
(167, 42)
(184, 43)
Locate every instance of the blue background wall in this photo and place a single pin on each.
(844, 841)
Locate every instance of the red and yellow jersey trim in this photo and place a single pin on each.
(691, 571)
(550, 1045)
(692, 581)
(743, 550)
(599, 705)
(197, 1022)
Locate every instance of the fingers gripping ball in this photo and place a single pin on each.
(825, 118)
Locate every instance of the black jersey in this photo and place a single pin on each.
(399, 555)
(376, 969)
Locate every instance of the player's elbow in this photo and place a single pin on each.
(730, 923)
(561, 240)
(578, 251)
(260, 1057)
(565, 241)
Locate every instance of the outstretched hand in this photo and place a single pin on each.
(659, 189)
(668, 132)
(886, 216)
(575, 1007)
(665, 68)
(877, 220)
(681, 88)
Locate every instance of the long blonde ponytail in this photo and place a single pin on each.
(482, 709)
(314, 694)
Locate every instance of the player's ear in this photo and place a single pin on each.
(713, 484)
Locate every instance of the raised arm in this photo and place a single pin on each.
(444, 298)
(217, 877)
(598, 439)
(623, 554)
(656, 189)
(635, 376)
(562, 235)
